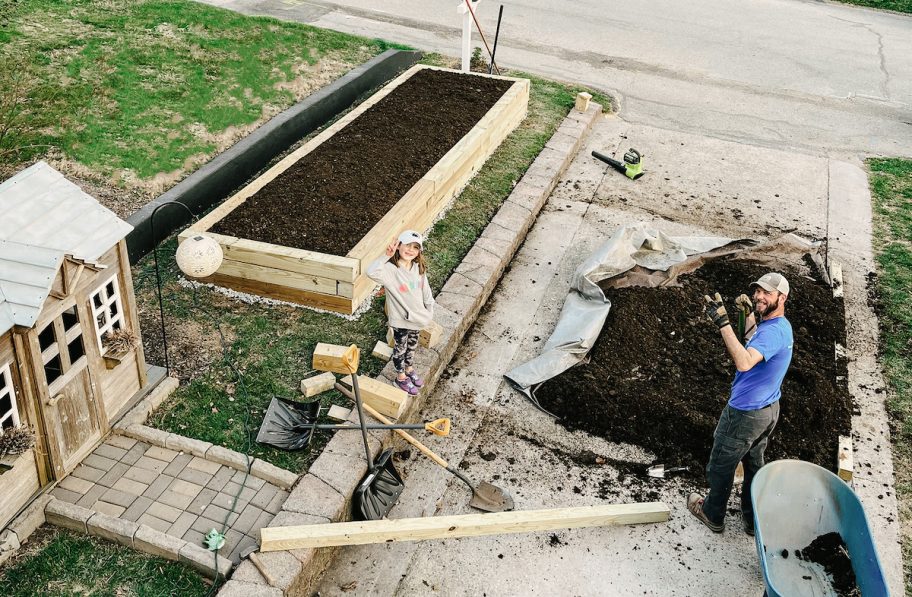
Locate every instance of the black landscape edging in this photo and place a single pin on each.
(215, 180)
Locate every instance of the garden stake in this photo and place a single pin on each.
(485, 496)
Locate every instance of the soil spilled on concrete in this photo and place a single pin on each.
(659, 375)
(330, 198)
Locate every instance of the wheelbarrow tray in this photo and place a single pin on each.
(794, 503)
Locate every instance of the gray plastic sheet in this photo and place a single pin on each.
(586, 306)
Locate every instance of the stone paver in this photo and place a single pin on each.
(170, 499)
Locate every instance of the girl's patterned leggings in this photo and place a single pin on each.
(405, 343)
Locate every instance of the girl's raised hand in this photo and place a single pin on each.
(391, 248)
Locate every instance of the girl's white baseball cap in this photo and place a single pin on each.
(411, 236)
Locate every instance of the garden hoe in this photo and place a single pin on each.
(631, 167)
(485, 496)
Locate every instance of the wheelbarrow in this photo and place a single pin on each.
(794, 503)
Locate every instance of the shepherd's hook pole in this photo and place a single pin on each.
(496, 36)
(158, 281)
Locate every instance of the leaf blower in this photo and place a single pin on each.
(631, 167)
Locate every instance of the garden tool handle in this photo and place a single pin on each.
(408, 437)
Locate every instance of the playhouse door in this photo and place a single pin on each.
(70, 410)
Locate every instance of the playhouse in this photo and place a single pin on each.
(66, 295)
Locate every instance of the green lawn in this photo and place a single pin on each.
(273, 346)
(891, 187)
(897, 5)
(134, 89)
(61, 562)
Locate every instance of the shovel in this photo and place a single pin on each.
(485, 496)
(659, 471)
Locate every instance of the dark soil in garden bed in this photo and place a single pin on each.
(659, 375)
(335, 194)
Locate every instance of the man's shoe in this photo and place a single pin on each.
(695, 505)
(748, 521)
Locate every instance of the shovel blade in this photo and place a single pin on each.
(378, 492)
(490, 498)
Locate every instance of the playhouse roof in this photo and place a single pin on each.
(43, 218)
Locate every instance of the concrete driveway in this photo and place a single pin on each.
(500, 437)
(825, 78)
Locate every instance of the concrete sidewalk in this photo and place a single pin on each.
(500, 437)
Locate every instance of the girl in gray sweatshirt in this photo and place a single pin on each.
(409, 302)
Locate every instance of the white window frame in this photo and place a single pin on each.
(11, 392)
(105, 309)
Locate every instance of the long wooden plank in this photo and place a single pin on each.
(293, 260)
(260, 273)
(465, 525)
(329, 302)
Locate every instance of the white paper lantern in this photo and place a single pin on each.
(199, 256)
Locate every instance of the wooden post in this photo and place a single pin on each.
(317, 383)
(582, 101)
(465, 525)
(430, 336)
(381, 396)
(844, 462)
(335, 358)
(383, 351)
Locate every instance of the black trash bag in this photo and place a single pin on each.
(288, 425)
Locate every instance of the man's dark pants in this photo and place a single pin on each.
(741, 436)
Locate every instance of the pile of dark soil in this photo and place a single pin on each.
(335, 194)
(659, 374)
(830, 551)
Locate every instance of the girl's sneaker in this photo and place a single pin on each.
(415, 379)
(407, 385)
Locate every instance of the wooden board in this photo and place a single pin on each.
(337, 283)
(318, 383)
(338, 413)
(844, 461)
(382, 396)
(466, 525)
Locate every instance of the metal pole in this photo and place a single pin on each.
(496, 35)
(158, 281)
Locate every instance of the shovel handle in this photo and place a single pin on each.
(406, 436)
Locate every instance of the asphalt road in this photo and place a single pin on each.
(820, 77)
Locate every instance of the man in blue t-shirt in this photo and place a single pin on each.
(753, 408)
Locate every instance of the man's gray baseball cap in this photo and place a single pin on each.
(772, 281)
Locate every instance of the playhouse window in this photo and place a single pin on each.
(107, 310)
(9, 414)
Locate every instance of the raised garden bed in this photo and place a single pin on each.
(305, 230)
(659, 374)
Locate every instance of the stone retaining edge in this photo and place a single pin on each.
(323, 495)
(215, 180)
(134, 535)
(132, 425)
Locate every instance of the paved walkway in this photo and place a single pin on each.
(175, 493)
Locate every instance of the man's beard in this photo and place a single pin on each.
(770, 307)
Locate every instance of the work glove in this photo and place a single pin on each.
(744, 303)
(715, 310)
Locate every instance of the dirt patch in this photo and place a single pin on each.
(659, 375)
(830, 551)
(334, 195)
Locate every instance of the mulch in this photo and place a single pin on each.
(334, 195)
(659, 375)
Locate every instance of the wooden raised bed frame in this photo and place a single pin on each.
(337, 283)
